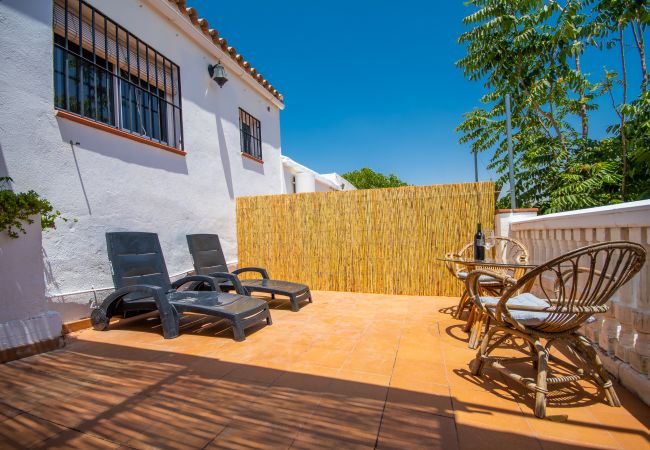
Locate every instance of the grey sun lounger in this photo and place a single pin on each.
(209, 260)
(142, 284)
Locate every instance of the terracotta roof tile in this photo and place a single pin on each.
(204, 27)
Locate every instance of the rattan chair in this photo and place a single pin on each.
(506, 250)
(459, 271)
(570, 289)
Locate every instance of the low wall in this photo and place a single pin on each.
(623, 333)
(26, 325)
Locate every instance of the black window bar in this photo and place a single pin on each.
(251, 134)
(105, 73)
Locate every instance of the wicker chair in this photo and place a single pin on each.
(571, 289)
(459, 271)
(507, 250)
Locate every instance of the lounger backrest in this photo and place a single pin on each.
(207, 253)
(136, 259)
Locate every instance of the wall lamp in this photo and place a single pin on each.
(218, 73)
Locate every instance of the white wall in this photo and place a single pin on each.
(323, 187)
(24, 318)
(110, 183)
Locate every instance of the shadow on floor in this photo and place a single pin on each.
(101, 395)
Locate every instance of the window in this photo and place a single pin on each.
(251, 135)
(105, 73)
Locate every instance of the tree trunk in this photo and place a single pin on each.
(583, 105)
(622, 115)
(641, 47)
(637, 32)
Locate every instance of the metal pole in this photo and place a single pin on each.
(476, 166)
(513, 200)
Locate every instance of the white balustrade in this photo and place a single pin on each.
(623, 333)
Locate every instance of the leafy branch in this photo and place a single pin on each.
(18, 209)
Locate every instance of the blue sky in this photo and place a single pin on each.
(366, 83)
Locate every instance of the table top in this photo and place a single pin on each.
(470, 261)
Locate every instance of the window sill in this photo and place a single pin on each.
(109, 129)
(246, 155)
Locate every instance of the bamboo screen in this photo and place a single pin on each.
(377, 241)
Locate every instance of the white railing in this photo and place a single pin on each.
(624, 332)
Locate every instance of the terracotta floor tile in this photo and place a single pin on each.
(550, 444)
(353, 423)
(484, 436)
(496, 407)
(324, 357)
(401, 429)
(348, 371)
(25, 430)
(421, 375)
(70, 439)
(580, 427)
(255, 438)
(436, 402)
(7, 412)
(253, 373)
(317, 441)
(381, 365)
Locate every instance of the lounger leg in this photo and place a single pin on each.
(99, 320)
(238, 331)
(310, 300)
(295, 307)
(541, 388)
(269, 321)
(170, 322)
(272, 296)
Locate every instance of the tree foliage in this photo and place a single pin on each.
(16, 209)
(369, 179)
(534, 51)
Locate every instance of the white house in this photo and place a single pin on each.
(116, 120)
(299, 179)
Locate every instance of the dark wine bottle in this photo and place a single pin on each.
(479, 244)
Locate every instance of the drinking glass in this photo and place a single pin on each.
(490, 241)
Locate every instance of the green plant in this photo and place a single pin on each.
(369, 179)
(17, 208)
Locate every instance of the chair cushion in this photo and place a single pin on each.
(529, 318)
(483, 279)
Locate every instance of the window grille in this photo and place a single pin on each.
(251, 134)
(105, 73)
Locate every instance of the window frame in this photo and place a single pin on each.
(160, 120)
(250, 139)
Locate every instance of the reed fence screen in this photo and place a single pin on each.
(383, 241)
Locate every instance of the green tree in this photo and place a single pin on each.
(369, 179)
(533, 50)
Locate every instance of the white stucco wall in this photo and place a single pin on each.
(110, 183)
(24, 318)
(288, 185)
(298, 179)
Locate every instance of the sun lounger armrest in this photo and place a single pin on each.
(259, 270)
(200, 279)
(232, 277)
(101, 315)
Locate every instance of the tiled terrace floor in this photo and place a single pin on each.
(348, 371)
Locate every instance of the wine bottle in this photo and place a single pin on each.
(479, 244)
